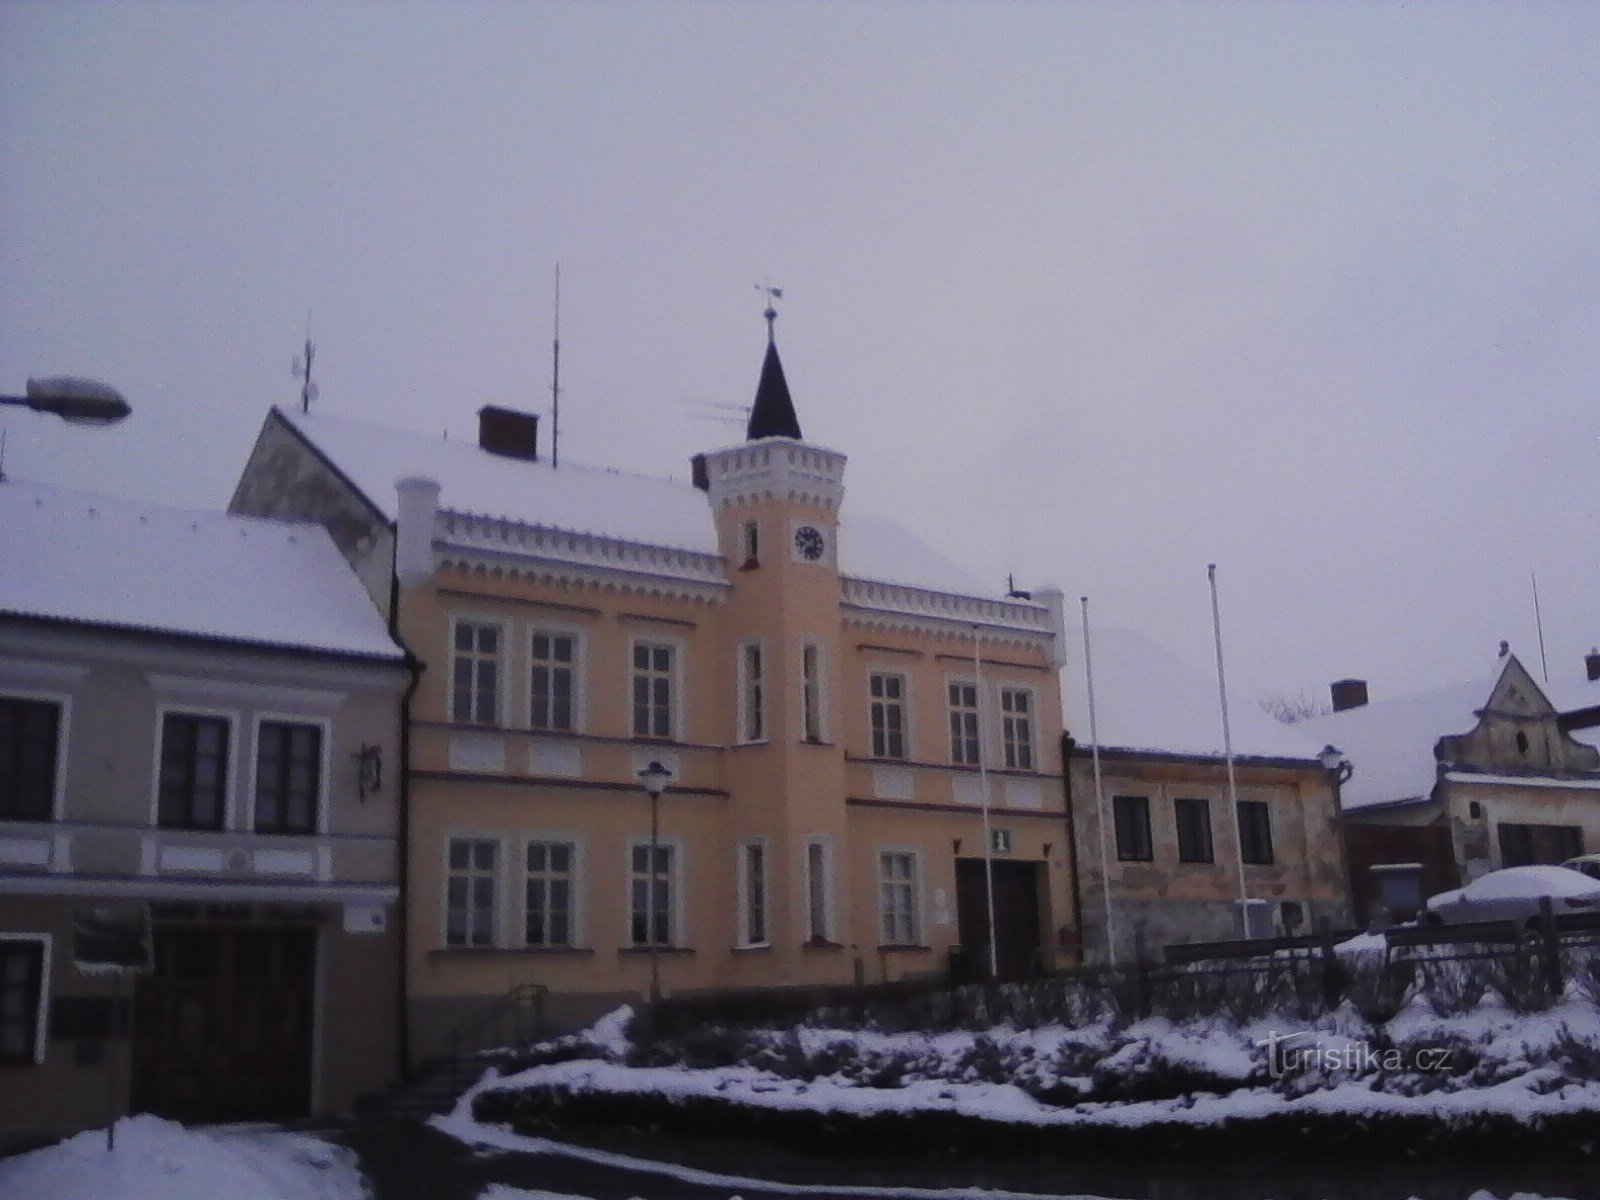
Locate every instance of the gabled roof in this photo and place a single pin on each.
(98, 560)
(644, 509)
(772, 414)
(1148, 700)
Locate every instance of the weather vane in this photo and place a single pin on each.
(301, 368)
(774, 294)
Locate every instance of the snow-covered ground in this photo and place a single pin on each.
(160, 1160)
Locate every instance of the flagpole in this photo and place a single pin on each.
(1227, 750)
(1099, 785)
(988, 837)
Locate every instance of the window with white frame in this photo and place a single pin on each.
(650, 894)
(475, 671)
(752, 876)
(193, 783)
(288, 776)
(964, 745)
(752, 714)
(811, 693)
(549, 916)
(1016, 727)
(888, 714)
(899, 919)
(30, 738)
(654, 678)
(819, 891)
(24, 964)
(553, 683)
(472, 891)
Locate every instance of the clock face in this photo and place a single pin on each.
(809, 542)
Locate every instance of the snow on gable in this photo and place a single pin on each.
(1146, 699)
(643, 509)
(83, 557)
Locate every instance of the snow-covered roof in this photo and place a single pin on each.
(84, 557)
(1390, 742)
(1147, 699)
(646, 509)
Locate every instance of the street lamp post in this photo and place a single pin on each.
(655, 778)
(1334, 762)
(80, 401)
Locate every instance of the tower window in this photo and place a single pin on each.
(750, 537)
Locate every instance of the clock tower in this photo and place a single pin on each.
(775, 498)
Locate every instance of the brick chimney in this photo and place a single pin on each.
(1591, 664)
(508, 433)
(1348, 693)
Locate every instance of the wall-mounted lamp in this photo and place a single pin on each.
(369, 770)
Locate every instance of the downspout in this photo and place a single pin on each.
(415, 667)
(1068, 743)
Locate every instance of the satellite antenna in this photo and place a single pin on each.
(301, 368)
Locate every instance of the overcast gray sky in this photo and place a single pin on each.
(1090, 293)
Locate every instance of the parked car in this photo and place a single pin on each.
(1513, 894)
(1589, 864)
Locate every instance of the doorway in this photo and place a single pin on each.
(223, 1029)
(1016, 917)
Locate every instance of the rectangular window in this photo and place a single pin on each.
(752, 716)
(811, 692)
(1255, 832)
(964, 723)
(897, 897)
(818, 888)
(194, 772)
(288, 776)
(888, 715)
(30, 732)
(471, 891)
(475, 673)
(752, 545)
(1525, 845)
(552, 660)
(1016, 727)
(1194, 830)
(753, 894)
(653, 664)
(548, 914)
(1133, 828)
(650, 895)
(22, 964)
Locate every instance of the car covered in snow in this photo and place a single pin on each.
(1589, 864)
(1513, 894)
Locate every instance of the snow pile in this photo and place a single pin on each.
(160, 1160)
(1486, 1063)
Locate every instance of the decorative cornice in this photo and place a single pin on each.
(776, 469)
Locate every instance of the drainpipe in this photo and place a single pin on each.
(415, 667)
(1068, 743)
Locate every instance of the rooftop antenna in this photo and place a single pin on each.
(1539, 624)
(555, 381)
(301, 368)
(774, 294)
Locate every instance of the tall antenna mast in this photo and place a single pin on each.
(1539, 622)
(555, 381)
(301, 367)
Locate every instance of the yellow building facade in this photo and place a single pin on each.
(847, 720)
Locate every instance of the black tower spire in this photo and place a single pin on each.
(772, 414)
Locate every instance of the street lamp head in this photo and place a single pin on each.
(1333, 759)
(655, 778)
(81, 401)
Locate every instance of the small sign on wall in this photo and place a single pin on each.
(366, 918)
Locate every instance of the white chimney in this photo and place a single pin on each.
(413, 554)
(1052, 597)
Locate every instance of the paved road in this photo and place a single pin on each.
(405, 1160)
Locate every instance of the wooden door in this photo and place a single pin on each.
(1016, 917)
